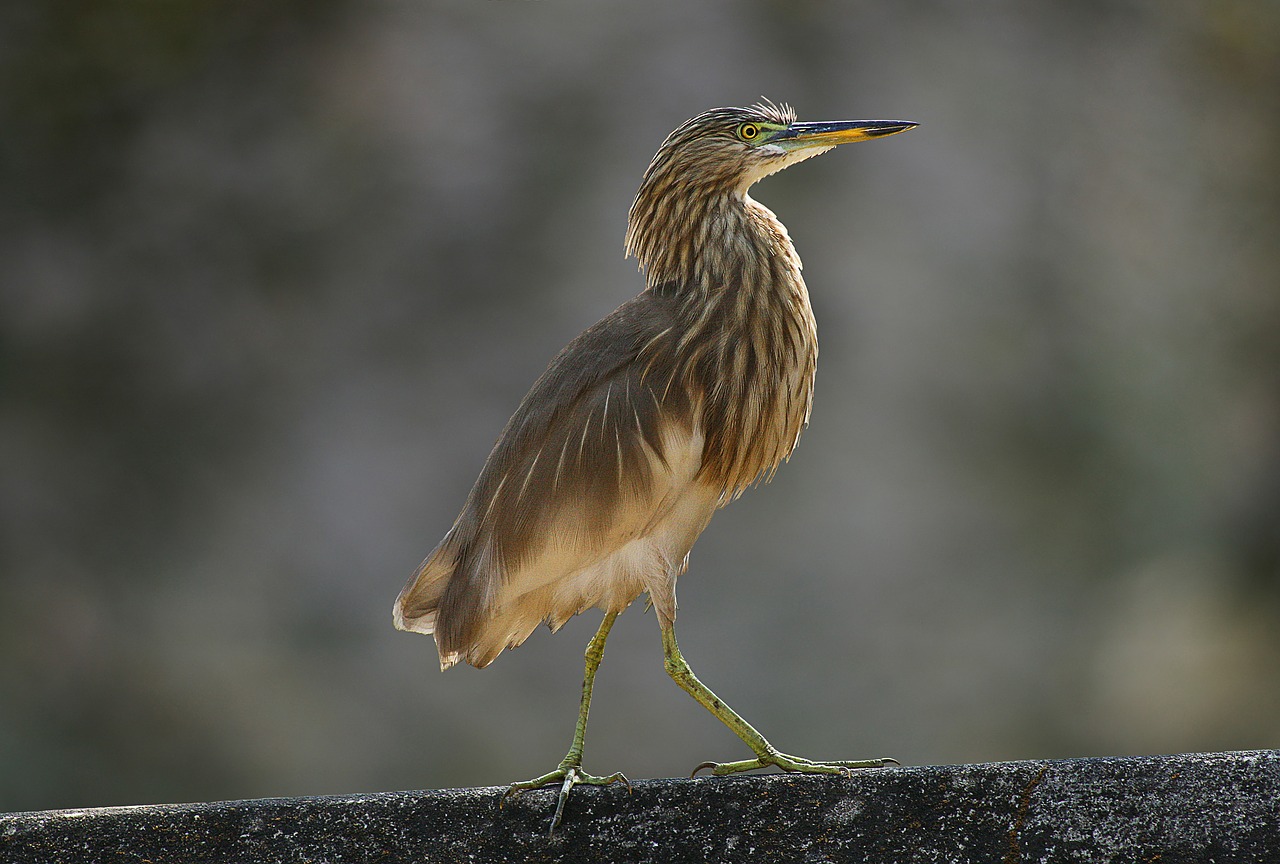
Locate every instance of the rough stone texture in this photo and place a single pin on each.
(1167, 809)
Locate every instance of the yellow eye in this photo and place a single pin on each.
(748, 131)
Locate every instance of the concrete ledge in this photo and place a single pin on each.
(1168, 809)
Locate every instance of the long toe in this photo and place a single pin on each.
(515, 789)
(791, 764)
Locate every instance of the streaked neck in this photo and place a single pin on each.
(701, 241)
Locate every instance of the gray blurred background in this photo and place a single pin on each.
(274, 275)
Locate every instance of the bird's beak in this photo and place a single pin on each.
(800, 136)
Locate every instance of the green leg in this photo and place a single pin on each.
(569, 772)
(766, 753)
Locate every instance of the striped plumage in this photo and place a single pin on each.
(647, 422)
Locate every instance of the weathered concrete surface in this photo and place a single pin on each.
(1163, 810)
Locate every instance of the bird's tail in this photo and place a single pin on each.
(418, 605)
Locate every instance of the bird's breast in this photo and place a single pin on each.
(751, 364)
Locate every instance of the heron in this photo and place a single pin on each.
(645, 425)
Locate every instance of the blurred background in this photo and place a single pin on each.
(274, 275)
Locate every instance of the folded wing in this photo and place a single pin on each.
(588, 498)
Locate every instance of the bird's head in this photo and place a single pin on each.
(735, 147)
(717, 156)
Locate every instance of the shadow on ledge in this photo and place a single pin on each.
(1165, 810)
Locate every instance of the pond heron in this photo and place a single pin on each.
(646, 424)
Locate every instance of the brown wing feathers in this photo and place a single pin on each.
(593, 417)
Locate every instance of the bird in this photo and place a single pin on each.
(645, 425)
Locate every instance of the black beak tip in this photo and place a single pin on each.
(893, 127)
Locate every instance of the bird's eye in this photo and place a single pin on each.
(748, 131)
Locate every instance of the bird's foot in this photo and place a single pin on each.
(777, 759)
(568, 775)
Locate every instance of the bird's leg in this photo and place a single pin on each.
(766, 754)
(569, 772)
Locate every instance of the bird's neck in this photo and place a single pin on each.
(703, 244)
(745, 340)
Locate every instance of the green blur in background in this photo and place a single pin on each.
(273, 276)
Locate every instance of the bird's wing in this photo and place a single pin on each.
(596, 453)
